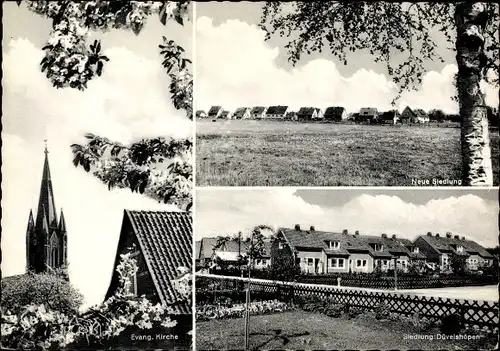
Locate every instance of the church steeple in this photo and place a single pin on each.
(46, 203)
(46, 243)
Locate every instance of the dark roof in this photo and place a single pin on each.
(276, 110)
(224, 114)
(258, 110)
(232, 246)
(240, 112)
(165, 239)
(368, 111)
(306, 111)
(200, 112)
(444, 244)
(334, 111)
(390, 246)
(214, 110)
(420, 113)
(390, 115)
(408, 111)
(197, 247)
(307, 239)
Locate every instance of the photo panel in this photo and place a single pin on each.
(328, 93)
(359, 269)
(97, 175)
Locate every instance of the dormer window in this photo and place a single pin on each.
(334, 245)
(460, 248)
(415, 249)
(377, 247)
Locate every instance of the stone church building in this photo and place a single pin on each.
(46, 237)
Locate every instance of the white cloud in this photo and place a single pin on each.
(236, 67)
(222, 212)
(128, 102)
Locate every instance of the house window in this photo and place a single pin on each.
(361, 263)
(280, 245)
(257, 261)
(378, 247)
(460, 249)
(334, 245)
(384, 263)
(310, 262)
(337, 263)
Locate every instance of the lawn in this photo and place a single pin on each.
(306, 330)
(267, 153)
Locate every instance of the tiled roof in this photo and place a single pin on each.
(449, 245)
(257, 110)
(165, 239)
(318, 240)
(240, 112)
(207, 245)
(420, 113)
(334, 111)
(276, 110)
(390, 115)
(368, 111)
(306, 111)
(232, 246)
(197, 246)
(390, 246)
(214, 110)
(224, 114)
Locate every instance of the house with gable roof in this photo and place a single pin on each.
(335, 113)
(390, 117)
(258, 112)
(215, 112)
(277, 112)
(367, 114)
(440, 249)
(308, 113)
(160, 242)
(242, 113)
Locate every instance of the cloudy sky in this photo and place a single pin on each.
(236, 67)
(130, 101)
(404, 212)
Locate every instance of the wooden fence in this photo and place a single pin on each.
(472, 312)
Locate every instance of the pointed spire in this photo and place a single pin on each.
(46, 203)
(62, 223)
(45, 223)
(31, 221)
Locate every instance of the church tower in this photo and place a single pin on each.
(46, 239)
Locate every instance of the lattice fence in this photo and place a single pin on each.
(473, 312)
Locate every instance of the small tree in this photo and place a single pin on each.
(458, 264)
(51, 290)
(284, 268)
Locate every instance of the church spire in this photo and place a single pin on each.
(46, 203)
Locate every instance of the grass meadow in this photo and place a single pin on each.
(279, 153)
(300, 330)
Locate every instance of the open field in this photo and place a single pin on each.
(270, 153)
(301, 330)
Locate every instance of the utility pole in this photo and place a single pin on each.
(247, 311)
(395, 273)
(239, 254)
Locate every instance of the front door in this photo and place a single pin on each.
(316, 265)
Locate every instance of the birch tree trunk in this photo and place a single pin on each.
(470, 19)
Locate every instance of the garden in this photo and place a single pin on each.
(42, 311)
(297, 317)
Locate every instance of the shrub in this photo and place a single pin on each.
(54, 292)
(334, 310)
(451, 324)
(382, 311)
(208, 312)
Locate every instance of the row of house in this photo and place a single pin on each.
(207, 255)
(320, 252)
(332, 113)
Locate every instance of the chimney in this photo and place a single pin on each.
(393, 236)
(356, 232)
(429, 234)
(448, 235)
(297, 227)
(437, 235)
(312, 228)
(456, 237)
(384, 235)
(345, 231)
(463, 238)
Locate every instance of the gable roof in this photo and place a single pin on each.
(200, 113)
(258, 110)
(390, 115)
(420, 113)
(448, 245)
(277, 110)
(224, 114)
(334, 111)
(240, 112)
(368, 111)
(306, 111)
(214, 110)
(318, 240)
(165, 240)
